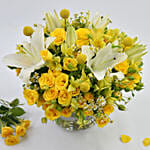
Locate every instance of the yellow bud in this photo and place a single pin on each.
(46, 55)
(27, 30)
(81, 58)
(84, 87)
(64, 13)
(128, 41)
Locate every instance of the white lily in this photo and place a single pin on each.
(31, 59)
(52, 22)
(98, 22)
(106, 58)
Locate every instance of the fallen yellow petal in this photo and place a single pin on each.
(146, 142)
(125, 138)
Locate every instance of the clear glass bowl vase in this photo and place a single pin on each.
(71, 123)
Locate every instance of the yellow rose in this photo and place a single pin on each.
(11, 140)
(26, 123)
(66, 112)
(46, 55)
(102, 121)
(56, 73)
(81, 58)
(60, 35)
(83, 36)
(20, 130)
(123, 67)
(125, 138)
(61, 81)
(40, 102)
(136, 77)
(89, 96)
(64, 98)
(52, 113)
(70, 64)
(50, 94)
(85, 86)
(6, 131)
(76, 92)
(31, 96)
(46, 80)
(108, 109)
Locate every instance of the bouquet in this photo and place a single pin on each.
(78, 68)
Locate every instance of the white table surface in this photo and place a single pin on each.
(132, 16)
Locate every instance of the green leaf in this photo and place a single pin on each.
(3, 109)
(14, 103)
(17, 111)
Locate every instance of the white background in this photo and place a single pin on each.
(132, 16)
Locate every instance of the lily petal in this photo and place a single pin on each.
(18, 60)
(49, 40)
(119, 75)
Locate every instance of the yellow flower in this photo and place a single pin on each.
(61, 81)
(11, 140)
(123, 66)
(6, 131)
(20, 130)
(146, 142)
(27, 30)
(26, 123)
(81, 58)
(136, 77)
(76, 92)
(69, 64)
(108, 109)
(83, 36)
(50, 94)
(31, 96)
(128, 42)
(85, 86)
(52, 113)
(66, 112)
(60, 35)
(64, 98)
(46, 55)
(46, 80)
(125, 138)
(102, 121)
(40, 102)
(56, 73)
(64, 13)
(127, 83)
(88, 96)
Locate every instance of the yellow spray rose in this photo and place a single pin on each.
(88, 96)
(64, 97)
(81, 58)
(70, 64)
(46, 80)
(26, 123)
(46, 55)
(83, 36)
(66, 112)
(76, 92)
(6, 131)
(20, 130)
(61, 81)
(52, 113)
(50, 94)
(123, 67)
(108, 109)
(146, 142)
(102, 121)
(60, 35)
(31, 96)
(11, 140)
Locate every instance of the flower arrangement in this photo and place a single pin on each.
(11, 122)
(78, 67)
